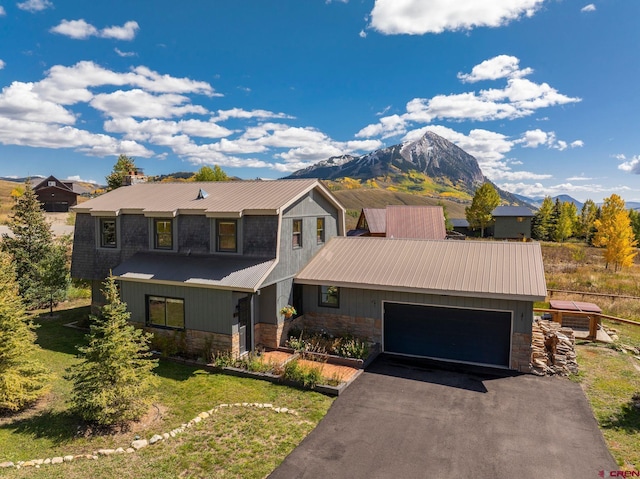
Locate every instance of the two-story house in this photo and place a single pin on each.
(214, 261)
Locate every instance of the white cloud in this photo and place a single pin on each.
(76, 29)
(34, 5)
(538, 189)
(2, 64)
(80, 30)
(417, 17)
(223, 115)
(2, 11)
(139, 103)
(125, 32)
(362, 34)
(534, 138)
(124, 54)
(588, 8)
(19, 101)
(78, 178)
(630, 166)
(580, 178)
(577, 144)
(501, 66)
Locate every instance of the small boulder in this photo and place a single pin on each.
(155, 438)
(139, 444)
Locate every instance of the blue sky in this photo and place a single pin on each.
(544, 93)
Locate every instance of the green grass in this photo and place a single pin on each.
(234, 443)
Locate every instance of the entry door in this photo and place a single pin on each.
(244, 324)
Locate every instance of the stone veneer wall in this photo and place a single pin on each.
(521, 352)
(196, 342)
(369, 329)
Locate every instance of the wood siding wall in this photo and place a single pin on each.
(508, 227)
(368, 304)
(205, 309)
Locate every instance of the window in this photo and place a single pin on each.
(520, 219)
(163, 234)
(108, 234)
(329, 296)
(320, 230)
(165, 312)
(227, 236)
(297, 234)
(51, 183)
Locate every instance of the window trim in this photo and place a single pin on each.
(148, 322)
(325, 304)
(101, 240)
(297, 234)
(218, 236)
(154, 234)
(320, 232)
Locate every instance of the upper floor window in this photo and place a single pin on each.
(227, 236)
(329, 296)
(108, 233)
(320, 230)
(165, 312)
(297, 234)
(163, 234)
(51, 183)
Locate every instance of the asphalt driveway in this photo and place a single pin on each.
(402, 419)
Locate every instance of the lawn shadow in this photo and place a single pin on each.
(628, 419)
(177, 371)
(54, 336)
(59, 427)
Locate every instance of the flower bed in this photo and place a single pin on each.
(322, 343)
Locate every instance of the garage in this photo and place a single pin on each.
(452, 334)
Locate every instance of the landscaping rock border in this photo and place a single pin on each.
(138, 444)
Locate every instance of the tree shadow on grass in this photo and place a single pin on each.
(628, 419)
(54, 336)
(59, 427)
(174, 370)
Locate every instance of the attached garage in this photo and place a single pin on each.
(454, 334)
(462, 301)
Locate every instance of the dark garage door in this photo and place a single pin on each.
(468, 335)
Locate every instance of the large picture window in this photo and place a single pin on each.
(165, 312)
(227, 236)
(296, 239)
(108, 233)
(329, 296)
(320, 230)
(163, 234)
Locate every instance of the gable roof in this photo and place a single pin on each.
(487, 269)
(420, 222)
(376, 219)
(512, 211)
(223, 198)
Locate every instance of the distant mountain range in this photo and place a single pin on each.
(429, 165)
(537, 201)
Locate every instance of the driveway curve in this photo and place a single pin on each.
(410, 419)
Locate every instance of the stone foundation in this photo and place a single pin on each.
(368, 329)
(521, 352)
(197, 343)
(269, 335)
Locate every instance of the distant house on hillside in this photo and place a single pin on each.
(402, 221)
(56, 195)
(512, 222)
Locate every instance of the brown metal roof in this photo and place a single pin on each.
(420, 222)
(240, 274)
(575, 306)
(487, 269)
(222, 198)
(376, 220)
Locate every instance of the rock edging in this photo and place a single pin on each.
(138, 444)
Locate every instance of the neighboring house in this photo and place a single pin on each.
(402, 221)
(512, 222)
(56, 195)
(213, 262)
(461, 301)
(461, 225)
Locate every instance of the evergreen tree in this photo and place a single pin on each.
(543, 220)
(31, 242)
(206, 173)
(53, 273)
(614, 232)
(448, 224)
(124, 166)
(586, 222)
(634, 216)
(23, 379)
(112, 383)
(485, 200)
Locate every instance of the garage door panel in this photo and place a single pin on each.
(456, 334)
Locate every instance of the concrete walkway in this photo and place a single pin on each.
(405, 419)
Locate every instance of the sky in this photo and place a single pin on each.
(544, 93)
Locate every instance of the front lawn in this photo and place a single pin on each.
(235, 442)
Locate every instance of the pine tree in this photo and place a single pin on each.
(614, 232)
(113, 382)
(31, 242)
(23, 379)
(543, 221)
(586, 222)
(485, 200)
(124, 166)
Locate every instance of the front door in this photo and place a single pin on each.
(244, 324)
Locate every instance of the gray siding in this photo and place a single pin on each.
(194, 234)
(307, 209)
(508, 227)
(260, 236)
(205, 309)
(267, 312)
(368, 304)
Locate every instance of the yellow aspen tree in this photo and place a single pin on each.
(614, 232)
